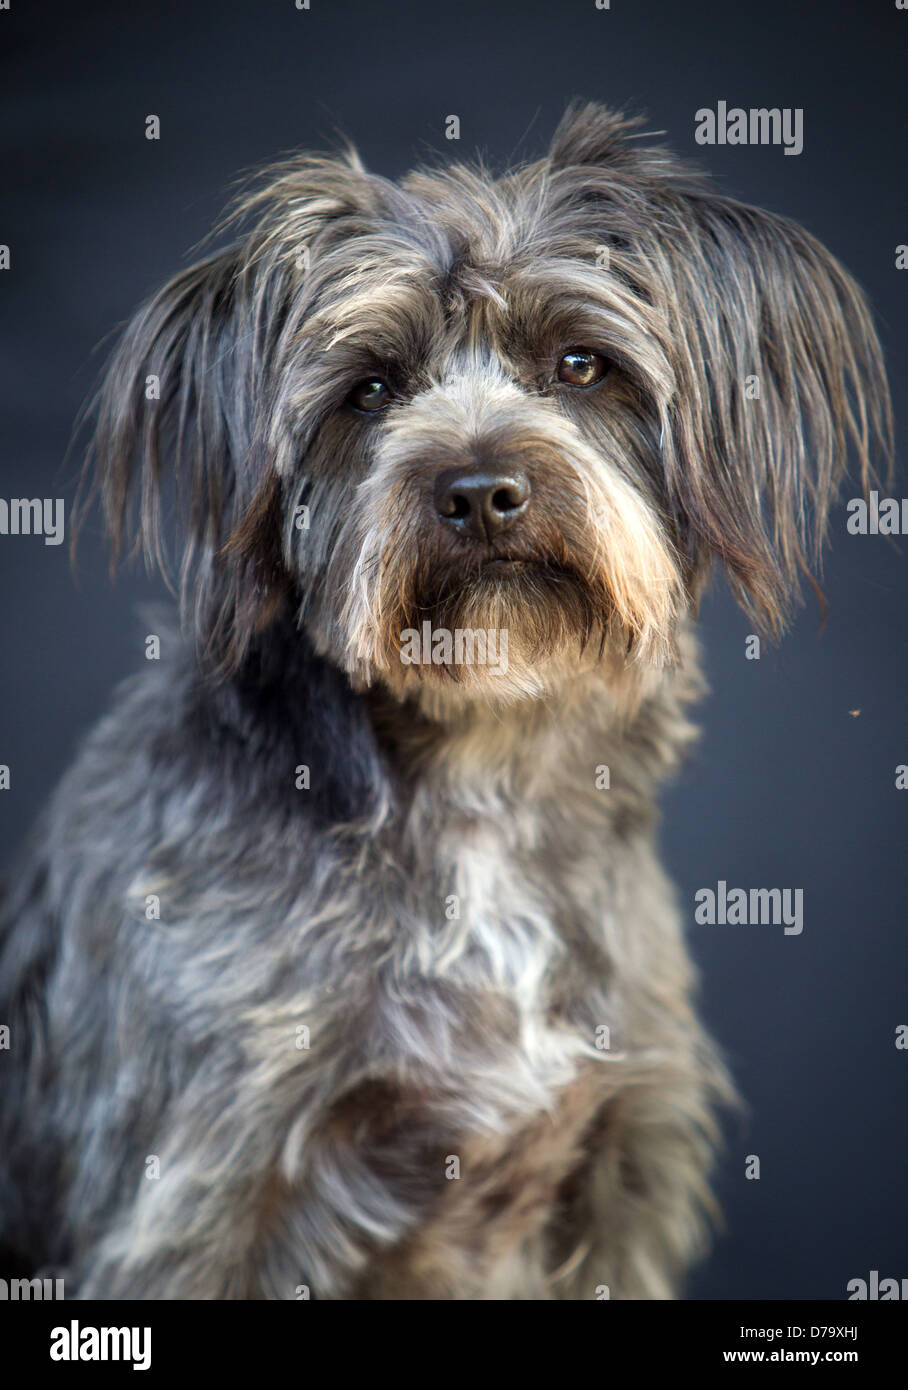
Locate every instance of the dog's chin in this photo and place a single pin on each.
(530, 594)
(510, 629)
(497, 630)
(538, 608)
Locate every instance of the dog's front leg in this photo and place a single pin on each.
(638, 1208)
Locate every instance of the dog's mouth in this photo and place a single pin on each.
(503, 572)
(505, 562)
(516, 565)
(541, 588)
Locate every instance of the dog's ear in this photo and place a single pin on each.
(775, 365)
(591, 135)
(184, 421)
(779, 375)
(604, 151)
(175, 435)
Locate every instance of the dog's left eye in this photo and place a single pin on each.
(580, 367)
(372, 394)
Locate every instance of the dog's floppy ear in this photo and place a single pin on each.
(776, 367)
(779, 374)
(176, 434)
(187, 419)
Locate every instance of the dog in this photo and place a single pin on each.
(342, 964)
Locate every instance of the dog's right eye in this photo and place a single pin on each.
(370, 395)
(581, 367)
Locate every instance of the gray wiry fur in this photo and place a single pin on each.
(432, 1035)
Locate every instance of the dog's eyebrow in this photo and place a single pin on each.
(564, 305)
(391, 314)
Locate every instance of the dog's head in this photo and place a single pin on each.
(535, 405)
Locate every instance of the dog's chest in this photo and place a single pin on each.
(473, 1110)
(491, 970)
(500, 891)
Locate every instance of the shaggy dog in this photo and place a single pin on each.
(343, 964)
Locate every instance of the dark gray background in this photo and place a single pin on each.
(787, 788)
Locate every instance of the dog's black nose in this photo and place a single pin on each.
(480, 502)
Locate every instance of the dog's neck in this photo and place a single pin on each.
(289, 707)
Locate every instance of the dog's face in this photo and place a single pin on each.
(534, 406)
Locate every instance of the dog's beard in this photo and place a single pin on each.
(539, 604)
(415, 617)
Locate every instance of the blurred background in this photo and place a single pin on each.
(794, 781)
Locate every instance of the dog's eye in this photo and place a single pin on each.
(372, 394)
(582, 368)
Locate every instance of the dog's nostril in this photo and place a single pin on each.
(506, 499)
(478, 503)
